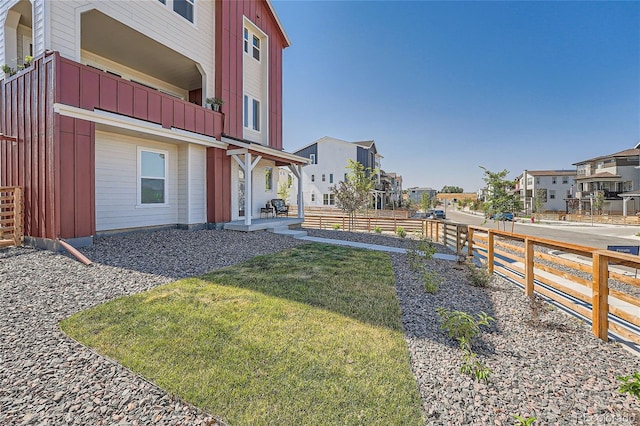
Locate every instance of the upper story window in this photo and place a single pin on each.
(183, 8)
(323, 177)
(251, 115)
(312, 157)
(554, 180)
(249, 36)
(565, 180)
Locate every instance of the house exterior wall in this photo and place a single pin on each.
(230, 17)
(160, 23)
(332, 157)
(117, 205)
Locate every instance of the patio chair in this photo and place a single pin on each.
(280, 207)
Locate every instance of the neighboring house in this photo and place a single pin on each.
(611, 175)
(328, 165)
(554, 189)
(415, 194)
(108, 128)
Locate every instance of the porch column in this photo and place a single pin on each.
(248, 174)
(624, 205)
(297, 172)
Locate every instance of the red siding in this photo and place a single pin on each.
(218, 186)
(110, 93)
(26, 103)
(229, 63)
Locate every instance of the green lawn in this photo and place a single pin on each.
(310, 335)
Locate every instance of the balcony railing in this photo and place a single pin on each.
(89, 88)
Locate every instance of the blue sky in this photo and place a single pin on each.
(446, 87)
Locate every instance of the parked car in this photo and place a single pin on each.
(439, 214)
(503, 216)
(429, 214)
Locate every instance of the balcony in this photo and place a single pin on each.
(608, 195)
(88, 88)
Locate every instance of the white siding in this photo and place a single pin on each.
(333, 156)
(116, 184)
(198, 184)
(254, 77)
(117, 205)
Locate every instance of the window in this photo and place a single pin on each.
(330, 177)
(312, 157)
(246, 111)
(313, 178)
(323, 177)
(565, 180)
(552, 194)
(554, 180)
(256, 48)
(328, 199)
(256, 115)
(345, 177)
(152, 172)
(268, 178)
(537, 181)
(313, 196)
(245, 40)
(184, 8)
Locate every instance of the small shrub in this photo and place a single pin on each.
(377, 230)
(630, 384)
(478, 276)
(472, 366)
(462, 326)
(524, 421)
(8, 70)
(336, 226)
(431, 281)
(400, 232)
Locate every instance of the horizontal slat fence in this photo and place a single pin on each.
(11, 229)
(580, 278)
(432, 229)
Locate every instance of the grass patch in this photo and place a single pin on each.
(310, 335)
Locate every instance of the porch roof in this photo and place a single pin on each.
(282, 157)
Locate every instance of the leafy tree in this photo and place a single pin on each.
(452, 190)
(598, 201)
(284, 189)
(500, 198)
(354, 193)
(426, 202)
(539, 200)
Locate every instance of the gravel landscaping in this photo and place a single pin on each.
(554, 370)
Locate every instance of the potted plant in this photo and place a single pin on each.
(215, 103)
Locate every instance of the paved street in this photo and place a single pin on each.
(599, 236)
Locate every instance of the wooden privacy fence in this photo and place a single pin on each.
(432, 229)
(11, 228)
(599, 285)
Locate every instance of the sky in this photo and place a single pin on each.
(444, 87)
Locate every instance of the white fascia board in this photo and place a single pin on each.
(268, 151)
(275, 15)
(135, 125)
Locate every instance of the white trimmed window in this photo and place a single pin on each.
(251, 40)
(552, 194)
(328, 199)
(313, 178)
(554, 180)
(152, 176)
(330, 177)
(251, 114)
(312, 157)
(184, 8)
(268, 178)
(323, 177)
(313, 196)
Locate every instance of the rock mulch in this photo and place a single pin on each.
(554, 370)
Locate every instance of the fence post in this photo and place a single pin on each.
(528, 267)
(343, 228)
(444, 234)
(458, 240)
(469, 242)
(490, 252)
(600, 296)
(369, 224)
(437, 231)
(424, 228)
